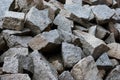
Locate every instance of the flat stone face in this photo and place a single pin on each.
(110, 39)
(102, 12)
(114, 50)
(71, 54)
(15, 77)
(37, 20)
(66, 75)
(91, 45)
(81, 71)
(117, 13)
(4, 6)
(42, 69)
(74, 2)
(13, 20)
(63, 23)
(14, 52)
(114, 74)
(104, 61)
(79, 11)
(11, 65)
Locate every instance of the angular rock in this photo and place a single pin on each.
(11, 65)
(117, 13)
(63, 23)
(114, 62)
(45, 39)
(91, 45)
(78, 27)
(39, 4)
(85, 69)
(74, 2)
(80, 11)
(92, 30)
(42, 69)
(71, 54)
(15, 77)
(114, 50)
(117, 26)
(114, 74)
(111, 38)
(4, 6)
(13, 20)
(37, 20)
(101, 33)
(102, 73)
(104, 61)
(2, 43)
(1, 72)
(14, 52)
(103, 12)
(66, 75)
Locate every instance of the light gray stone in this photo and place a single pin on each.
(91, 45)
(114, 62)
(13, 20)
(4, 6)
(85, 69)
(11, 65)
(42, 69)
(92, 30)
(117, 13)
(66, 75)
(37, 20)
(117, 26)
(71, 54)
(63, 23)
(15, 77)
(110, 39)
(114, 50)
(104, 61)
(42, 40)
(12, 52)
(114, 74)
(74, 2)
(103, 12)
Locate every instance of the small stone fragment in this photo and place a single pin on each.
(104, 61)
(71, 54)
(15, 77)
(114, 74)
(91, 45)
(85, 69)
(114, 50)
(66, 75)
(42, 69)
(37, 20)
(13, 20)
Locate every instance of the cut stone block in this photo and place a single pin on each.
(103, 12)
(11, 65)
(4, 6)
(114, 74)
(42, 69)
(104, 61)
(45, 39)
(15, 77)
(85, 69)
(91, 45)
(14, 52)
(37, 20)
(13, 20)
(63, 23)
(114, 50)
(66, 75)
(71, 54)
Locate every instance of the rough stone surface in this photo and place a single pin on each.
(114, 50)
(92, 30)
(74, 2)
(71, 54)
(13, 20)
(91, 45)
(37, 20)
(12, 52)
(81, 71)
(102, 12)
(114, 62)
(104, 61)
(66, 75)
(63, 23)
(42, 40)
(15, 77)
(114, 74)
(11, 65)
(42, 69)
(4, 6)
(110, 39)
(117, 13)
